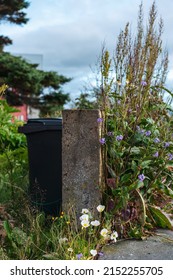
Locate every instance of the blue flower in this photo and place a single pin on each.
(141, 177)
(166, 144)
(102, 141)
(139, 130)
(156, 154)
(79, 256)
(157, 140)
(170, 156)
(148, 133)
(144, 83)
(119, 138)
(99, 120)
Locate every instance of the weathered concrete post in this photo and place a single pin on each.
(81, 160)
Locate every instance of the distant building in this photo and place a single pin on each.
(27, 112)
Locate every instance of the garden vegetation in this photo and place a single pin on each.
(137, 150)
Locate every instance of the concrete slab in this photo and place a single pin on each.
(157, 247)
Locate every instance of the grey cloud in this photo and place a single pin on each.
(72, 46)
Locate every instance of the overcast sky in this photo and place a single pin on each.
(70, 33)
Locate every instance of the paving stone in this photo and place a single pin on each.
(157, 247)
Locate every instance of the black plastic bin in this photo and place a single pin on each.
(44, 139)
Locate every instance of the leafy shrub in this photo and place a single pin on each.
(137, 134)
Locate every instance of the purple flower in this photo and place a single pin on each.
(157, 140)
(79, 256)
(100, 254)
(119, 138)
(102, 141)
(170, 156)
(148, 133)
(166, 144)
(141, 131)
(141, 177)
(156, 154)
(110, 133)
(99, 120)
(144, 83)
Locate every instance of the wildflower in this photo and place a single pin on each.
(170, 156)
(100, 208)
(119, 102)
(141, 177)
(110, 133)
(63, 240)
(148, 133)
(79, 256)
(156, 154)
(85, 223)
(157, 140)
(100, 254)
(118, 82)
(119, 138)
(93, 252)
(85, 211)
(84, 217)
(127, 82)
(166, 144)
(139, 129)
(114, 236)
(99, 120)
(144, 83)
(70, 250)
(68, 222)
(95, 223)
(54, 218)
(104, 232)
(102, 141)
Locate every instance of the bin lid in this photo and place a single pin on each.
(41, 124)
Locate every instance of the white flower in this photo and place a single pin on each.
(100, 208)
(85, 223)
(114, 236)
(70, 249)
(63, 240)
(85, 211)
(95, 223)
(104, 232)
(84, 217)
(93, 252)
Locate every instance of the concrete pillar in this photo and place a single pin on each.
(81, 160)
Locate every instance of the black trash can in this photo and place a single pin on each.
(44, 139)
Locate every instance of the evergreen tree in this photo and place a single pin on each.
(27, 84)
(12, 11)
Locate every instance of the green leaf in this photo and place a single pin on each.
(136, 185)
(135, 150)
(49, 257)
(8, 229)
(145, 164)
(111, 171)
(143, 206)
(125, 178)
(161, 218)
